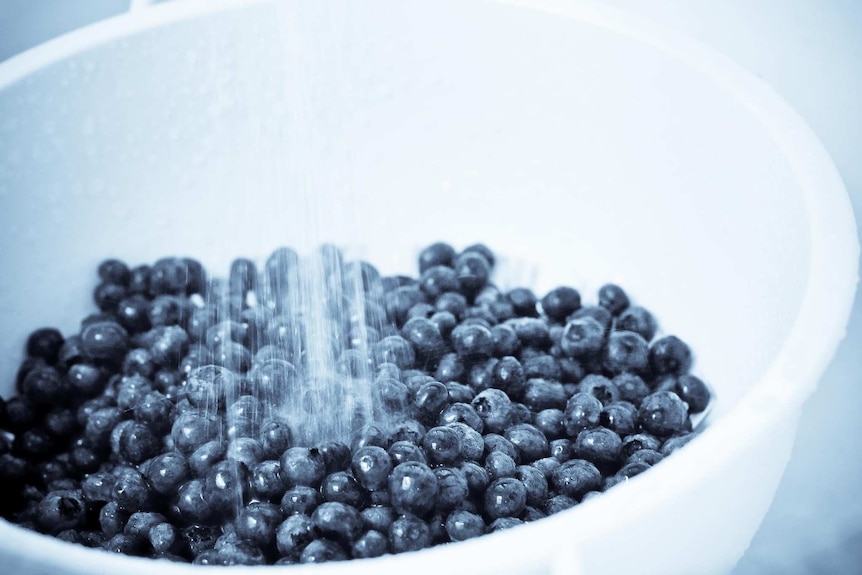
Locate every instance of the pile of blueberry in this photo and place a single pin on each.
(148, 432)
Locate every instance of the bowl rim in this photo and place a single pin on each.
(788, 382)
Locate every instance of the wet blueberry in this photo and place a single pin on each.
(529, 442)
(524, 302)
(337, 521)
(494, 408)
(673, 443)
(370, 544)
(166, 472)
(639, 441)
(45, 344)
(61, 510)
(583, 411)
(613, 298)
(303, 466)
(599, 387)
(499, 464)
(575, 477)
(226, 483)
(163, 537)
(371, 466)
(138, 443)
(437, 254)
(114, 271)
(626, 351)
(662, 414)
(442, 445)
(620, 417)
(670, 355)
(104, 340)
(694, 392)
(505, 497)
(192, 429)
(132, 491)
(258, 522)
(631, 388)
(582, 338)
(638, 320)
(452, 487)
(300, 500)
(561, 302)
(409, 533)
(541, 394)
(412, 488)
(472, 271)
(551, 423)
(600, 446)
(472, 444)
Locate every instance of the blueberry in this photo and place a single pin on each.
(639, 441)
(300, 500)
(477, 477)
(244, 450)
(169, 276)
(483, 251)
(226, 483)
(139, 524)
(138, 443)
(336, 456)
(437, 254)
(341, 486)
(461, 412)
(582, 338)
(626, 351)
(438, 280)
(509, 376)
(694, 392)
(638, 320)
(407, 430)
(154, 411)
(122, 544)
(472, 271)
(112, 519)
(620, 417)
(599, 387)
(163, 537)
(85, 379)
(460, 393)
(430, 400)
(337, 521)
(535, 483)
(662, 413)
(133, 314)
(371, 466)
(600, 446)
(132, 491)
(413, 488)
(453, 303)
(168, 344)
(472, 341)
(529, 442)
(560, 303)
(505, 340)
(377, 517)
(494, 408)
(496, 442)
(100, 424)
(192, 429)
(646, 456)
(631, 388)
(258, 522)
(97, 488)
(505, 497)
(673, 443)
(370, 544)
(524, 301)
(199, 538)
(166, 472)
(44, 386)
(551, 423)
(45, 343)
(481, 374)
(394, 349)
(472, 444)
(139, 280)
(60, 423)
(275, 437)
(303, 466)
(369, 435)
(613, 298)
(400, 300)
(559, 503)
(450, 368)
(425, 338)
(442, 445)
(114, 271)
(463, 525)
(452, 487)
(167, 310)
(61, 510)
(582, 412)
(531, 332)
(139, 362)
(561, 450)
(204, 457)
(499, 464)
(71, 352)
(632, 469)
(104, 340)
(575, 477)
(409, 533)
(541, 394)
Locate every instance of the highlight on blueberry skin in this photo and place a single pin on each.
(182, 421)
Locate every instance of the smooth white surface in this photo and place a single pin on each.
(754, 31)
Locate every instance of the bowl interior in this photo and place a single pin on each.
(577, 153)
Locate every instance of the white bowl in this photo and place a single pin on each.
(583, 140)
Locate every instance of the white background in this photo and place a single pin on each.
(811, 52)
